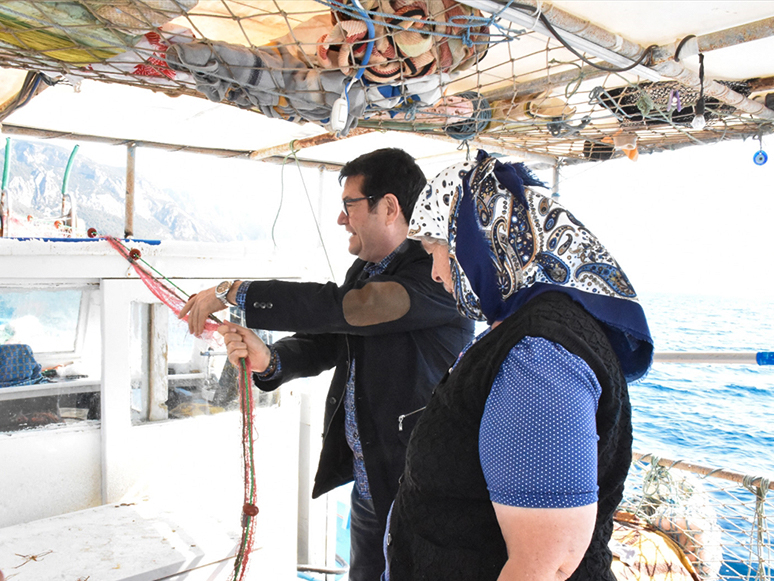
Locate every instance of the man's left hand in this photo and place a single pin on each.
(198, 308)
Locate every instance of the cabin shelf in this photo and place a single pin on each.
(48, 389)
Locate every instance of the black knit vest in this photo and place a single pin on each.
(443, 526)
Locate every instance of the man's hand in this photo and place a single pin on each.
(198, 308)
(242, 342)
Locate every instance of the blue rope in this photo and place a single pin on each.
(464, 130)
(410, 110)
(369, 49)
(471, 22)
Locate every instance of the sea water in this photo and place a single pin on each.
(721, 416)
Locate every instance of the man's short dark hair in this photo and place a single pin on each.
(388, 171)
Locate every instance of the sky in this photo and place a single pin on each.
(694, 221)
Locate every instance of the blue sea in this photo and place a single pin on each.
(721, 416)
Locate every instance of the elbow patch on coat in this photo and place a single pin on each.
(376, 302)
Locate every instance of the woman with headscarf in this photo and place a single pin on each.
(518, 463)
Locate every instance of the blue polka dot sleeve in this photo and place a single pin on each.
(538, 438)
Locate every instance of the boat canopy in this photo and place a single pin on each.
(560, 82)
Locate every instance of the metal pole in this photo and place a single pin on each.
(618, 51)
(736, 35)
(698, 469)
(581, 34)
(225, 153)
(129, 217)
(5, 207)
(295, 145)
(719, 358)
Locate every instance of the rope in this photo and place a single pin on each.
(282, 193)
(246, 401)
(471, 21)
(156, 285)
(293, 153)
(759, 533)
(464, 130)
(249, 508)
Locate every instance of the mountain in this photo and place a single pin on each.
(35, 189)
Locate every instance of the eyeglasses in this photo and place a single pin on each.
(347, 201)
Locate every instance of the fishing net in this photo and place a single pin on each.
(718, 519)
(439, 68)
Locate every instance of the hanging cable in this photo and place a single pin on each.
(681, 45)
(699, 121)
(314, 216)
(340, 108)
(646, 54)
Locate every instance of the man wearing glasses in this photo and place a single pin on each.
(389, 331)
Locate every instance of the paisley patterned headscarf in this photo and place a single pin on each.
(508, 244)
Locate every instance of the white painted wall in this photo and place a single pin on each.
(47, 472)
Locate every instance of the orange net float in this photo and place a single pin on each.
(91, 232)
(134, 254)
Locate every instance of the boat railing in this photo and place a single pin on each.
(716, 357)
(718, 518)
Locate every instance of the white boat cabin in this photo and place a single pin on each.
(121, 458)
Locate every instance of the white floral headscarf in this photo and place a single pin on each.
(430, 221)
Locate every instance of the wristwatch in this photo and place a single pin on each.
(221, 292)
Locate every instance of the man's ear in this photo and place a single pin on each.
(392, 207)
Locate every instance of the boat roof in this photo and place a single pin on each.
(536, 80)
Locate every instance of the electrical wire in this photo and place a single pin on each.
(681, 45)
(647, 53)
(293, 153)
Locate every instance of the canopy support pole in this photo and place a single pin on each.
(130, 166)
